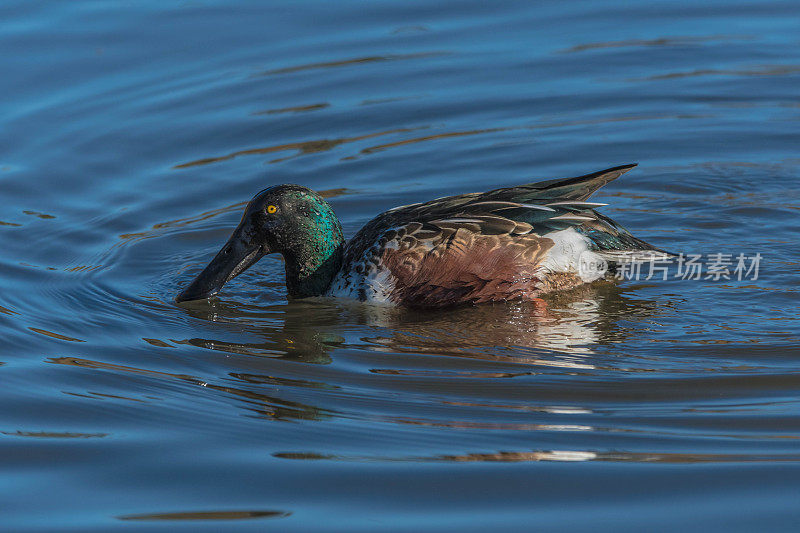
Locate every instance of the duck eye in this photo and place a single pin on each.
(271, 209)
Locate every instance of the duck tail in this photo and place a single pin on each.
(579, 188)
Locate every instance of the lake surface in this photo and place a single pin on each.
(131, 133)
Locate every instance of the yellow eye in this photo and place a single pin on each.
(271, 209)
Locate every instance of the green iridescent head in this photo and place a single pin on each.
(287, 219)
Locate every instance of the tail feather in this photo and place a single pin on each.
(615, 243)
(579, 188)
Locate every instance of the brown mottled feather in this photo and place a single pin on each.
(466, 267)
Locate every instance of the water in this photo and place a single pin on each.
(132, 132)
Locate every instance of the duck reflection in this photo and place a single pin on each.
(570, 456)
(302, 331)
(563, 330)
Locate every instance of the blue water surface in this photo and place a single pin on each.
(131, 133)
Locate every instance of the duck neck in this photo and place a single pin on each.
(315, 257)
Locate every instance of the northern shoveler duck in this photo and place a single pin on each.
(511, 243)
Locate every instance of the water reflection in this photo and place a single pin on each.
(662, 41)
(53, 434)
(448, 135)
(348, 62)
(554, 455)
(165, 414)
(304, 147)
(302, 332)
(54, 335)
(206, 515)
(765, 70)
(293, 109)
(267, 406)
(562, 330)
(540, 126)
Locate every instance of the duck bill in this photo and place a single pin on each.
(238, 254)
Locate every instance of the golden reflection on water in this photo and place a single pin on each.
(55, 335)
(348, 62)
(83, 268)
(321, 145)
(765, 70)
(429, 138)
(90, 395)
(158, 343)
(54, 434)
(38, 214)
(661, 41)
(546, 125)
(294, 109)
(377, 101)
(304, 147)
(207, 515)
(180, 222)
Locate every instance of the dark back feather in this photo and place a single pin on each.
(535, 208)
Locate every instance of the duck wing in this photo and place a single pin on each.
(535, 208)
(485, 246)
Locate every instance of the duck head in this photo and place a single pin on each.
(287, 219)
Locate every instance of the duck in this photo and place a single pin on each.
(512, 243)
